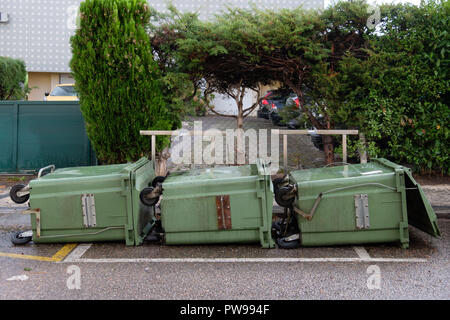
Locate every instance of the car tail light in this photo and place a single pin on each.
(297, 102)
(265, 102)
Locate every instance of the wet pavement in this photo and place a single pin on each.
(155, 271)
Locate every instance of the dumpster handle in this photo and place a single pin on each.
(360, 185)
(51, 167)
(310, 215)
(80, 234)
(333, 163)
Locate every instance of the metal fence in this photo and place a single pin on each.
(34, 134)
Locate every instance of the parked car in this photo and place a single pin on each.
(273, 102)
(62, 92)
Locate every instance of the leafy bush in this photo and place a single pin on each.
(400, 95)
(119, 84)
(13, 76)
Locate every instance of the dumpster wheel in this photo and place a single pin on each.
(148, 197)
(285, 243)
(15, 197)
(19, 238)
(158, 179)
(279, 182)
(284, 196)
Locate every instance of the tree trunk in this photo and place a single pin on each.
(240, 143)
(328, 148)
(161, 162)
(362, 150)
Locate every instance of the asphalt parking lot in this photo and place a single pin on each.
(155, 271)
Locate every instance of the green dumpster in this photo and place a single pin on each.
(218, 205)
(361, 203)
(98, 203)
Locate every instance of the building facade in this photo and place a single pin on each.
(39, 31)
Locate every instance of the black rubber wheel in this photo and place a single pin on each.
(276, 182)
(158, 179)
(277, 229)
(283, 244)
(279, 195)
(148, 201)
(14, 197)
(17, 239)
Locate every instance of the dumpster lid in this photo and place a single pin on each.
(420, 213)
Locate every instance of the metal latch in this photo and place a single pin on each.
(88, 206)
(223, 212)
(362, 211)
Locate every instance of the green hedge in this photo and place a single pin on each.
(13, 76)
(402, 98)
(117, 79)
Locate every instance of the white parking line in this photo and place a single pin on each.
(76, 257)
(362, 253)
(78, 252)
(238, 260)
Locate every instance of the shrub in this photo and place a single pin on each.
(12, 79)
(400, 96)
(118, 81)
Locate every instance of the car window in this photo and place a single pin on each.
(64, 91)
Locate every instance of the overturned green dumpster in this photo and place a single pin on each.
(85, 204)
(341, 205)
(355, 204)
(218, 205)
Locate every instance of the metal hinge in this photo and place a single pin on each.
(362, 211)
(88, 206)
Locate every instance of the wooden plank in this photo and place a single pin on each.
(274, 131)
(285, 152)
(153, 147)
(344, 148)
(177, 133)
(322, 132)
(156, 132)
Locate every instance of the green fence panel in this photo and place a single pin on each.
(8, 122)
(34, 134)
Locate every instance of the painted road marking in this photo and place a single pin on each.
(237, 260)
(363, 256)
(362, 253)
(58, 256)
(73, 254)
(78, 252)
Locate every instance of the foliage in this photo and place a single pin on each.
(181, 81)
(208, 52)
(120, 85)
(13, 78)
(400, 96)
(392, 82)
